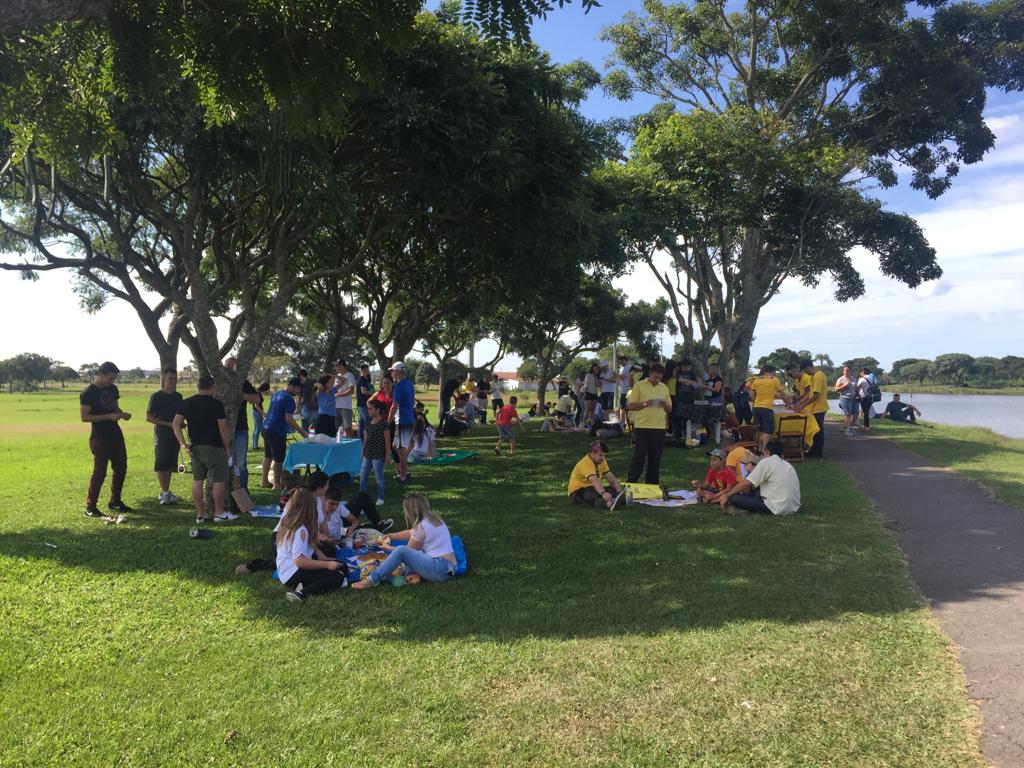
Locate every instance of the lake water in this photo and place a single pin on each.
(1000, 413)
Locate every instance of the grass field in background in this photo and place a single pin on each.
(995, 461)
(578, 637)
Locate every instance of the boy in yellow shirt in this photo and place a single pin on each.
(766, 388)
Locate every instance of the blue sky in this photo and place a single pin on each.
(976, 228)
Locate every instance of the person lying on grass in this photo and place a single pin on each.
(426, 550)
(586, 483)
(719, 478)
(507, 421)
(301, 564)
(771, 487)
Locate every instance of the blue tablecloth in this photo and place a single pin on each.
(332, 458)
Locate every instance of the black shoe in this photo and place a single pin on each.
(405, 480)
(385, 525)
(119, 506)
(93, 512)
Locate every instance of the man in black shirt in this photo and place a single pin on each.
(163, 405)
(905, 412)
(99, 407)
(448, 391)
(209, 445)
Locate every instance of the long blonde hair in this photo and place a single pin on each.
(299, 512)
(417, 508)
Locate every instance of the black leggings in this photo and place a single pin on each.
(325, 425)
(865, 408)
(647, 447)
(316, 582)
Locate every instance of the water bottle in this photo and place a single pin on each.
(629, 497)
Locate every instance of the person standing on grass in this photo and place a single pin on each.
(160, 412)
(326, 389)
(507, 421)
(766, 388)
(99, 407)
(608, 378)
(814, 402)
(588, 478)
(591, 392)
(307, 401)
(497, 395)
(301, 566)
(343, 398)
(865, 384)
(375, 450)
(240, 443)
(449, 391)
(275, 431)
(772, 487)
(364, 388)
(649, 405)
(209, 445)
(429, 553)
(403, 416)
(846, 386)
(258, 414)
(483, 391)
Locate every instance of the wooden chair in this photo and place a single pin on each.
(748, 436)
(790, 430)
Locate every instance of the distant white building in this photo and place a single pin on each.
(513, 381)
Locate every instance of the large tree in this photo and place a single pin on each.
(777, 119)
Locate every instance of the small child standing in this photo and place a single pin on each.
(507, 420)
(375, 449)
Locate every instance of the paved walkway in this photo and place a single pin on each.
(966, 552)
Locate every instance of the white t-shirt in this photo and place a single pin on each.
(422, 445)
(497, 387)
(336, 522)
(778, 483)
(345, 382)
(607, 381)
(319, 515)
(437, 541)
(624, 376)
(862, 387)
(297, 545)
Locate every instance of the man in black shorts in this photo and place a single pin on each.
(275, 430)
(163, 406)
(99, 407)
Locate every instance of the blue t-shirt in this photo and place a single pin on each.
(325, 401)
(281, 404)
(404, 396)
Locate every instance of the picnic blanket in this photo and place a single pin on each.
(267, 510)
(446, 457)
(681, 498)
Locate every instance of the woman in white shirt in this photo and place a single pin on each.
(296, 548)
(422, 440)
(429, 552)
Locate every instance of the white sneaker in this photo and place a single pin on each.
(172, 499)
(380, 502)
(162, 498)
(225, 517)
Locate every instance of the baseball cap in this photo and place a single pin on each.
(399, 366)
(294, 381)
(717, 452)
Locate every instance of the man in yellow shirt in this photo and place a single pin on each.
(815, 402)
(766, 388)
(649, 404)
(586, 483)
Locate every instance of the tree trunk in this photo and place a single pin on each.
(18, 15)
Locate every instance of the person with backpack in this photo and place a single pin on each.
(869, 393)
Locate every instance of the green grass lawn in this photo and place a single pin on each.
(579, 637)
(995, 461)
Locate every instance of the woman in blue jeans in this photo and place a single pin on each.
(428, 554)
(376, 445)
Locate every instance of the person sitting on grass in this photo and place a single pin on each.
(375, 449)
(735, 459)
(718, 479)
(771, 487)
(899, 411)
(563, 410)
(422, 448)
(426, 548)
(457, 421)
(507, 421)
(301, 565)
(587, 481)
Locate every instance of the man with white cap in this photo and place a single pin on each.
(403, 417)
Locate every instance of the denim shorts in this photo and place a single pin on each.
(848, 405)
